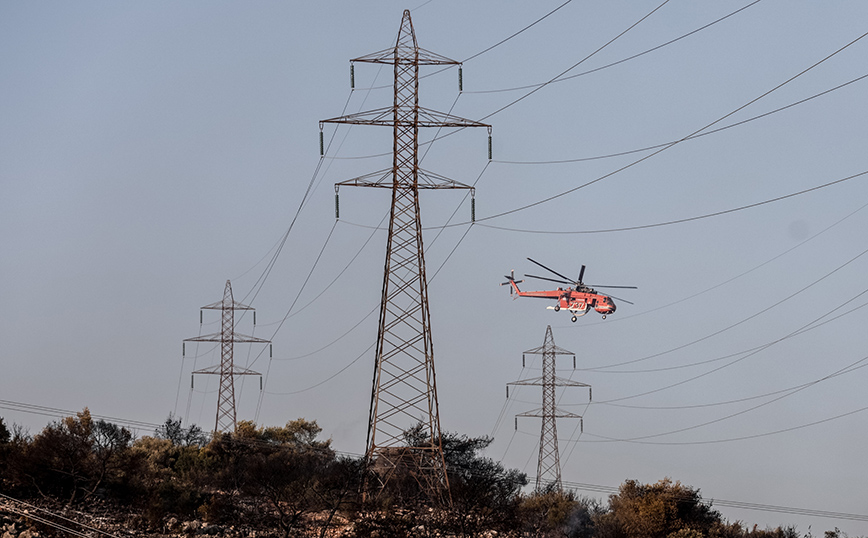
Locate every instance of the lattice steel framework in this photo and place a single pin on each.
(548, 471)
(404, 388)
(226, 416)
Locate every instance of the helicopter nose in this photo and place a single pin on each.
(607, 307)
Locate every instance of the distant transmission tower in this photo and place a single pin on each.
(548, 471)
(226, 417)
(404, 388)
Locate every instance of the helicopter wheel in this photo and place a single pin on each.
(557, 307)
(604, 316)
(573, 319)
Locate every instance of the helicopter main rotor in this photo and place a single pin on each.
(579, 284)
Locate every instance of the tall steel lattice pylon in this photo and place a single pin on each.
(548, 471)
(404, 387)
(226, 416)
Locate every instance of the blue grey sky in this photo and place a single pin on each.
(149, 151)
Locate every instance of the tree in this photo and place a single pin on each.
(484, 494)
(288, 480)
(655, 511)
(173, 431)
(75, 456)
(5, 451)
(168, 478)
(4, 432)
(109, 445)
(559, 513)
(285, 467)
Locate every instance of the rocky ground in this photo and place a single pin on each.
(25, 520)
(50, 519)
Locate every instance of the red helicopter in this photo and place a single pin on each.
(578, 299)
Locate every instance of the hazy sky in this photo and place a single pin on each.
(149, 151)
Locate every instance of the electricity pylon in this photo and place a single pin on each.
(548, 471)
(226, 416)
(404, 388)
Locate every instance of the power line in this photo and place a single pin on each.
(745, 320)
(730, 402)
(642, 226)
(752, 269)
(694, 137)
(647, 148)
(623, 60)
(529, 26)
(580, 62)
(311, 185)
(687, 219)
(848, 368)
(642, 159)
(61, 413)
(326, 380)
(291, 306)
(816, 324)
(29, 514)
(604, 439)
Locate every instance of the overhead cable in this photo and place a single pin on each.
(645, 158)
(564, 78)
(810, 327)
(646, 148)
(694, 137)
(848, 368)
(720, 331)
(603, 439)
(686, 219)
(580, 62)
(499, 43)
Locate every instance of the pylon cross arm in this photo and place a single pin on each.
(385, 179)
(562, 382)
(235, 337)
(417, 55)
(542, 350)
(235, 305)
(236, 371)
(540, 413)
(566, 414)
(535, 381)
(420, 117)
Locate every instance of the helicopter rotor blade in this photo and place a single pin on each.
(551, 270)
(507, 283)
(551, 279)
(619, 287)
(581, 273)
(622, 300)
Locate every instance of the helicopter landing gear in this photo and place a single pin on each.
(573, 319)
(604, 316)
(557, 307)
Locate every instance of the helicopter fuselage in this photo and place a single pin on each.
(579, 300)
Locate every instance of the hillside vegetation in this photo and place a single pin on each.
(285, 482)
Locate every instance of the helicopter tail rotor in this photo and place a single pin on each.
(510, 281)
